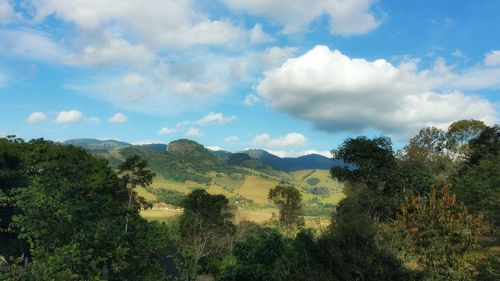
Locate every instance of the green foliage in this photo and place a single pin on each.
(438, 232)
(71, 213)
(375, 178)
(478, 187)
(289, 202)
(259, 257)
(485, 145)
(314, 207)
(429, 148)
(238, 158)
(11, 176)
(488, 268)
(172, 197)
(477, 182)
(206, 228)
(351, 249)
(460, 133)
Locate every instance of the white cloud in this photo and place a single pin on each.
(257, 35)
(337, 93)
(215, 148)
(158, 22)
(298, 153)
(115, 51)
(118, 118)
(36, 117)
(193, 132)
(492, 58)
(69, 116)
(346, 17)
(261, 139)
(166, 131)
(291, 139)
(7, 13)
(30, 44)
(193, 83)
(458, 54)
(199, 88)
(183, 124)
(144, 142)
(231, 139)
(275, 56)
(214, 118)
(251, 100)
(93, 120)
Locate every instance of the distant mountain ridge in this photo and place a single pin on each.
(95, 144)
(290, 164)
(192, 159)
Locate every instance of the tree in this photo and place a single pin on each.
(289, 202)
(70, 212)
(485, 145)
(373, 176)
(477, 181)
(260, 257)
(11, 176)
(206, 225)
(429, 148)
(438, 232)
(134, 173)
(460, 133)
(350, 248)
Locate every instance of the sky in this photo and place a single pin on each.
(292, 77)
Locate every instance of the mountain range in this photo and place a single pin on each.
(184, 147)
(244, 177)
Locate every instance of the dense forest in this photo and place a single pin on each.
(428, 211)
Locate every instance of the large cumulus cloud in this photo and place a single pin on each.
(339, 93)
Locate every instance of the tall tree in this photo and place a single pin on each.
(206, 225)
(460, 133)
(289, 202)
(373, 176)
(477, 183)
(429, 148)
(134, 173)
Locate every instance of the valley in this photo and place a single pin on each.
(245, 178)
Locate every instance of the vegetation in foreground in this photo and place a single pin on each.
(427, 212)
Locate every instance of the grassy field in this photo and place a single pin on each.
(253, 186)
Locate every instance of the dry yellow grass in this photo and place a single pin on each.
(141, 191)
(257, 188)
(160, 215)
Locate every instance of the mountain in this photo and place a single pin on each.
(245, 178)
(181, 160)
(289, 164)
(186, 160)
(95, 144)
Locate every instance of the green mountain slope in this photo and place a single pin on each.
(183, 165)
(95, 144)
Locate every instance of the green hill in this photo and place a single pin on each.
(95, 144)
(184, 165)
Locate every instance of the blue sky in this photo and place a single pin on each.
(291, 77)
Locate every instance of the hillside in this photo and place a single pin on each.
(245, 178)
(290, 164)
(95, 144)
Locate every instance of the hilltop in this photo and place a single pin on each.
(95, 144)
(244, 177)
